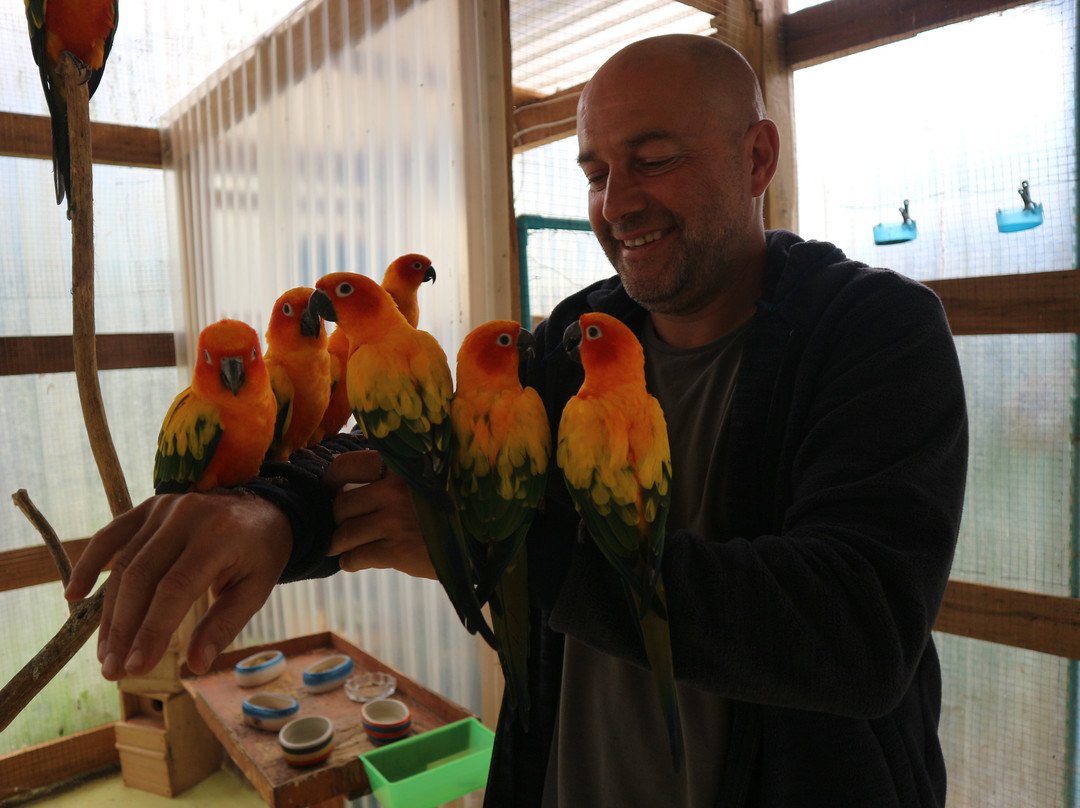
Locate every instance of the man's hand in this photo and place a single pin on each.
(376, 523)
(166, 553)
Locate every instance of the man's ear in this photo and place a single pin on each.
(763, 142)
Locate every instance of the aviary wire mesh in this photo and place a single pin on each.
(954, 121)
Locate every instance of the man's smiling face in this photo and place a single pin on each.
(666, 182)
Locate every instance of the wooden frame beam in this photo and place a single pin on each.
(30, 772)
(53, 354)
(31, 136)
(1032, 303)
(1049, 624)
(842, 27)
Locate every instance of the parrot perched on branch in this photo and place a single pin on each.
(502, 445)
(217, 431)
(85, 29)
(614, 455)
(402, 278)
(399, 390)
(299, 367)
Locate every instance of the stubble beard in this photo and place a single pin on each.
(691, 278)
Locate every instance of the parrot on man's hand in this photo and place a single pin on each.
(217, 431)
(337, 409)
(85, 29)
(299, 367)
(399, 390)
(403, 278)
(502, 445)
(614, 454)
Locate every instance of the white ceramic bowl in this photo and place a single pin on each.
(260, 668)
(327, 673)
(307, 741)
(269, 711)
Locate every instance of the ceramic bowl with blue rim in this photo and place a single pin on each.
(269, 711)
(260, 668)
(307, 741)
(328, 673)
(386, 720)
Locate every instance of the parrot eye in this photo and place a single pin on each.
(254, 353)
(344, 289)
(417, 265)
(593, 332)
(206, 356)
(504, 340)
(286, 309)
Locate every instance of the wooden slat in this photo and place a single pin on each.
(31, 136)
(30, 566)
(544, 120)
(46, 765)
(1038, 622)
(53, 354)
(1032, 303)
(841, 27)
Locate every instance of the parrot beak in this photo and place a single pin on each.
(310, 322)
(571, 340)
(429, 274)
(320, 305)
(232, 373)
(526, 345)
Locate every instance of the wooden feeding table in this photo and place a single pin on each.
(219, 701)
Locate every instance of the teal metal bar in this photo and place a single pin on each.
(529, 222)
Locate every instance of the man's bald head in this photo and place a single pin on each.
(722, 81)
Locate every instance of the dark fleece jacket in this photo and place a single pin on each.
(846, 468)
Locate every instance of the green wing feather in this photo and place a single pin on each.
(187, 441)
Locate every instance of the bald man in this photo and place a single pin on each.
(819, 438)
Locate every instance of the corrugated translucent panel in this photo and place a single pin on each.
(335, 144)
(953, 120)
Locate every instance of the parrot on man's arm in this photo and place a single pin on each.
(217, 431)
(614, 454)
(502, 445)
(299, 368)
(402, 279)
(337, 409)
(400, 390)
(84, 28)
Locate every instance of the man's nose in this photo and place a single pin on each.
(622, 196)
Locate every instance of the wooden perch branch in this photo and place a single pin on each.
(81, 211)
(52, 541)
(85, 616)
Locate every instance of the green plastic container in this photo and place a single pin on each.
(429, 769)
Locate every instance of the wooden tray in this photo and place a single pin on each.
(219, 700)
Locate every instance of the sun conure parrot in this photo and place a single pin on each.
(614, 455)
(299, 367)
(217, 431)
(337, 409)
(399, 390)
(502, 444)
(84, 28)
(403, 277)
